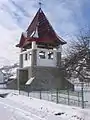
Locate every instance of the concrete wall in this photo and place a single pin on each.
(58, 59)
(45, 78)
(12, 84)
(23, 76)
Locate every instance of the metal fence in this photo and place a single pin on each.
(59, 96)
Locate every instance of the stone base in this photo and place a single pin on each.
(45, 78)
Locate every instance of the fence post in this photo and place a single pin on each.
(27, 90)
(18, 81)
(40, 95)
(28, 93)
(51, 95)
(68, 96)
(78, 99)
(82, 93)
(57, 96)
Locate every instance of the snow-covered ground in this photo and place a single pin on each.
(20, 107)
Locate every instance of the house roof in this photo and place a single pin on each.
(41, 31)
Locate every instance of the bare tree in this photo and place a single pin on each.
(77, 62)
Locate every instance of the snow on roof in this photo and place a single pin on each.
(3, 71)
(13, 77)
(13, 70)
(29, 81)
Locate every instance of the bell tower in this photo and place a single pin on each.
(40, 56)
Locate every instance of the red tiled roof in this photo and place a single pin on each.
(40, 30)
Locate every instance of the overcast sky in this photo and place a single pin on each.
(66, 17)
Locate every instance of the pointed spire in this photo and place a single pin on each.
(40, 30)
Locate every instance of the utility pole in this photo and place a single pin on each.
(18, 82)
(82, 91)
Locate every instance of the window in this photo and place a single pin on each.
(42, 55)
(25, 56)
(50, 55)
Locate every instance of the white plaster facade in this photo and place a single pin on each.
(42, 56)
(46, 61)
(26, 62)
(40, 61)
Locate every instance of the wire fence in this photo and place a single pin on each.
(67, 97)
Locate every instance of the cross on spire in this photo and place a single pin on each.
(40, 3)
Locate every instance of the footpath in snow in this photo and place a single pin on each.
(19, 107)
